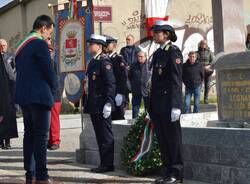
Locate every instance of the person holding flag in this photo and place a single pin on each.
(166, 101)
(54, 133)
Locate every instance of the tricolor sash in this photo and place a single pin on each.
(25, 41)
(73, 10)
(146, 142)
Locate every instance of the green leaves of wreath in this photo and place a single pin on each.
(131, 145)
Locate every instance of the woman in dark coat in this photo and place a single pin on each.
(8, 124)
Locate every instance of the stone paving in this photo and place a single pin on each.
(61, 162)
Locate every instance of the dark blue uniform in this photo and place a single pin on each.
(101, 90)
(166, 93)
(120, 73)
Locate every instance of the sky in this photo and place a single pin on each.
(4, 2)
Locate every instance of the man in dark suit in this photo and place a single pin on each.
(120, 73)
(100, 101)
(35, 87)
(54, 133)
(166, 101)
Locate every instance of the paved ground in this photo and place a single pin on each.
(61, 163)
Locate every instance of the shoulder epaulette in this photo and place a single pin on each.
(166, 48)
(102, 56)
(114, 55)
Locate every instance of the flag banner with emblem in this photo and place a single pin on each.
(73, 26)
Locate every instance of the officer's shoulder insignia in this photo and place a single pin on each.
(178, 61)
(167, 47)
(108, 66)
(98, 57)
(103, 56)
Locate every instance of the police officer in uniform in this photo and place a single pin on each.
(120, 73)
(166, 101)
(100, 101)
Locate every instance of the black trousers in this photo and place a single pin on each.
(119, 112)
(5, 142)
(207, 80)
(104, 137)
(170, 142)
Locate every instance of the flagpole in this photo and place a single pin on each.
(81, 109)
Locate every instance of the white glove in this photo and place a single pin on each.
(118, 99)
(175, 114)
(106, 110)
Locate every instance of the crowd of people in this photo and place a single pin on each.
(30, 79)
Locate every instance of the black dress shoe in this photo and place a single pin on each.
(8, 146)
(168, 180)
(102, 169)
(2, 144)
(173, 180)
(54, 147)
(160, 180)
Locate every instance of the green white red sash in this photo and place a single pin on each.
(73, 10)
(146, 141)
(25, 41)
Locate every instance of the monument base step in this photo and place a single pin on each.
(211, 154)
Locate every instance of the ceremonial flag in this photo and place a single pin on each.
(155, 10)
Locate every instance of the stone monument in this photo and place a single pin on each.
(233, 88)
(232, 67)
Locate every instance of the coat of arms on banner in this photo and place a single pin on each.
(72, 47)
(72, 52)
